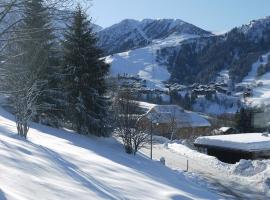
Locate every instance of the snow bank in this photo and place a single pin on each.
(190, 153)
(256, 172)
(249, 167)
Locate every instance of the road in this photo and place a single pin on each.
(225, 184)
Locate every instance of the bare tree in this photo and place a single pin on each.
(18, 80)
(128, 127)
(172, 123)
(140, 136)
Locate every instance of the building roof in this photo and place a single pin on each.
(225, 129)
(183, 118)
(244, 142)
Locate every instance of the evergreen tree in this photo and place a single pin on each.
(41, 58)
(28, 63)
(243, 119)
(85, 85)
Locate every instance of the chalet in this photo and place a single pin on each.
(233, 148)
(166, 119)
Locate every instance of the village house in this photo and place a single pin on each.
(167, 119)
(233, 148)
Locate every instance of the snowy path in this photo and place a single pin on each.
(216, 180)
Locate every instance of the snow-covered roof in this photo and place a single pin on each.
(245, 142)
(224, 129)
(183, 118)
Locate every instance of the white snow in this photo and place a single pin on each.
(146, 105)
(139, 62)
(224, 129)
(249, 168)
(59, 164)
(244, 180)
(247, 141)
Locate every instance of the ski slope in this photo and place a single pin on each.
(260, 85)
(142, 62)
(58, 164)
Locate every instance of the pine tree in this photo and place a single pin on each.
(85, 78)
(40, 42)
(30, 73)
(243, 120)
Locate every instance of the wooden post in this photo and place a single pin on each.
(151, 149)
(187, 165)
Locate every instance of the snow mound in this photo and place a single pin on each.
(249, 168)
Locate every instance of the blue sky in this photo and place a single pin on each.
(214, 15)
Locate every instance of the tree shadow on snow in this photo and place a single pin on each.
(2, 195)
(78, 175)
(110, 149)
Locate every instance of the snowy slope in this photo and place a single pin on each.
(142, 61)
(260, 85)
(57, 164)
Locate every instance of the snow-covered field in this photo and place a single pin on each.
(243, 180)
(58, 164)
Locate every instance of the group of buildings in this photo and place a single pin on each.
(225, 143)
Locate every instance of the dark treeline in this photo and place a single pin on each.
(202, 59)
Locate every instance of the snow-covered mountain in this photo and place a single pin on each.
(161, 51)
(139, 43)
(256, 28)
(130, 34)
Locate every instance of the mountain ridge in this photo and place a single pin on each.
(131, 34)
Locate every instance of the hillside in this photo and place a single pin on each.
(139, 44)
(186, 51)
(143, 62)
(204, 58)
(58, 164)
